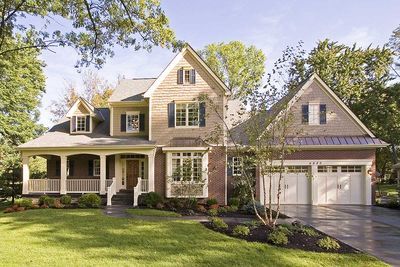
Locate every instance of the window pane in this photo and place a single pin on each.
(193, 113)
(176, 169)
(96, 167)
(180, 116)
(81, 124)
(132, 123)
(236, 166)
(187, 76)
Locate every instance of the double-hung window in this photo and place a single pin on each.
(187, 166)
(96, 167)
(313, 114)
(81, 124)
(187, 114)
(132, 122)
(237, 165)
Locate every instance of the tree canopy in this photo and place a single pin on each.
(241, 68)
(96, 27)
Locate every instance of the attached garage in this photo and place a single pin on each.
(340, 184)
(295, 185)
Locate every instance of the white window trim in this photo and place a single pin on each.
(94, 167)
(317, 116)
(183, 78)
(169, 173)
(237, 170)
(187, 115)
(126, 121)
(76, 124)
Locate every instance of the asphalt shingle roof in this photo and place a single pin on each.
(131, 89)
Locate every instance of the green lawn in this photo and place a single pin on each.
(153, 212)
(87, 237)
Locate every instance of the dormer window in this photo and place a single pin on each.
(313, 114)
(186, 76)
(81, 124)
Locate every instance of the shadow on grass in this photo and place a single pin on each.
(87, 237)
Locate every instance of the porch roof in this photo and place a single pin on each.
(59, 137)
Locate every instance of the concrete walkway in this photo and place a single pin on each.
(374, 230)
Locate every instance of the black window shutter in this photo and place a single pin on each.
(123, 122)
(322, 114)
(88, 123)
(90, 167)
(171, 115)
(71, 168)
(180, 76)
(141, 122)
(73, 124)
(58, 168)
(192, 76)
(229, 164)
(202, 114)
(304, 114)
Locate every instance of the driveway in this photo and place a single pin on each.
(371, 229)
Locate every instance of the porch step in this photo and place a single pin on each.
(123, 197)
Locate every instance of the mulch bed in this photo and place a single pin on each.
(296, 241)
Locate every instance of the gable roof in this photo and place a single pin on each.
(131, 89)
(175, 61)
(93, 112)
(294, 96)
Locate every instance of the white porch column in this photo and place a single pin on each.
(63, 172)
(150, 166)
(25, 175)
(368, 185)
(102, 174)
(314, 184)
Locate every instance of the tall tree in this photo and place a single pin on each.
(95, 89)
(240, 67)
(395, 45)
(22, 84)
(97, 26)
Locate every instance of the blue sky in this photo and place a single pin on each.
(269, 25)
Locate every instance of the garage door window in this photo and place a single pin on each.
(350, 168)
(327, 168)
(297, 169)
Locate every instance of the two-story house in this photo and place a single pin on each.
(152, 137)
(151, 129)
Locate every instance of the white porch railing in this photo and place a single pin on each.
(44, 185)
(111, 191)
(141, 187)
(83, 185)
(109, 182)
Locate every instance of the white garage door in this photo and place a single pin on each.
(295, 186)
(340, 184)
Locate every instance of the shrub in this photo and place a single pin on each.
(46, 201)
(89, 201)
(232, 209)
(234, 201)
(211, 201)
(287, 229)
(66, 200)
(328, 243)
(249, 208)
(252, 224)
(213, 212)
(278, 237)
(241, 230)
(150, 199)
(308, 231)
(191, 203)
(24, 202)
(218, 223)
(201, 208)
(222, 210)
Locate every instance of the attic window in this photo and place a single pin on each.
(186, 76)
(81, 124)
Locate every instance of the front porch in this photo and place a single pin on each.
(99, 172)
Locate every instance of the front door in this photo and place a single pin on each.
(132, 173)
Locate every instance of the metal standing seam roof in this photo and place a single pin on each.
(334, 140)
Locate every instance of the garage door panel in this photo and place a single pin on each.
(356, 194)
(331, 189)
(303, 189)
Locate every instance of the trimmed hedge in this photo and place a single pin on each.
(89, 201)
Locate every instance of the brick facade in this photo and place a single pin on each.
(216, 174)
(159, 172)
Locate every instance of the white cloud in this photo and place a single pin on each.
(363, 36)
